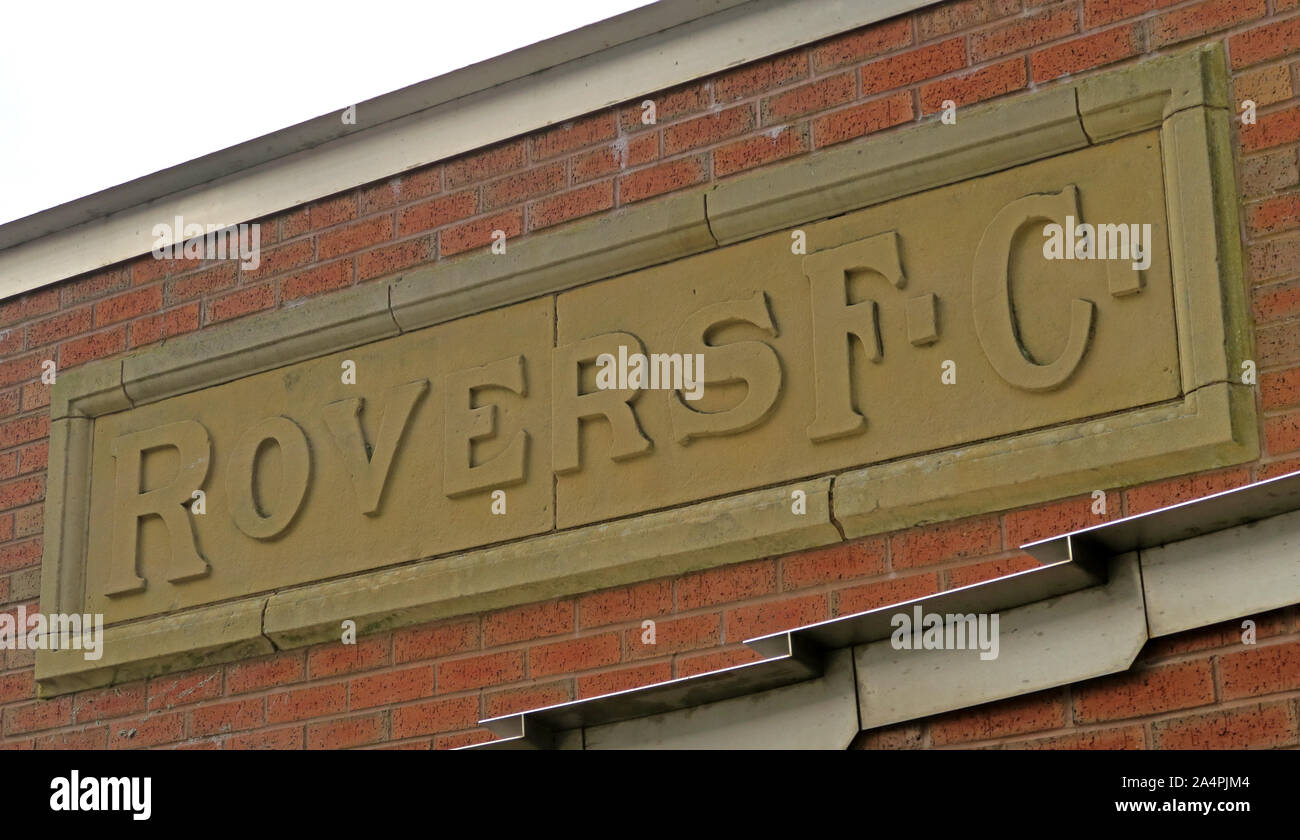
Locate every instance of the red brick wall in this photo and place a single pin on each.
(427, 686)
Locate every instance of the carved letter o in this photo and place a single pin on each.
(296, 459)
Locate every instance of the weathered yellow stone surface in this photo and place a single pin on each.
(912, 326)
(1041, 343)
(917, 360)
(320, 505)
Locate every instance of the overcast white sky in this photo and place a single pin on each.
(97, 92)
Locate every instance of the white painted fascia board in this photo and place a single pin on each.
(617, 60)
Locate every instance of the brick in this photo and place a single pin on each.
(1265, 173)
(1264, 86)
(758, 76)
(726, 583)
(346, 732)
(478, 233)
(305, 703)
(24, 430)
(178, 321)
(662, 178)
(862, 44)
(617, 156)
(390, 259)
(571, 655)
(1144, 692)
(129, 305)
(1280, 390)
(407, 187)
(1276, 302)
(462, 739)
(92, 738)
(272, 261)
(149, 268)
(104, 703)
(533, 621)
(16, 686)
(1263, 725)
(573, 204)
(1023, 33)
(202, 283)
(914, 66)
(354, 237)
(437, 212)
(1275, 345)
(1269, 41)
(17, 370)
(9, 469)
(863, 119)
(940, 543)
(1221, 635)
(1118, 738)
(486, 164)
(1263, 669)
(1202, 18)
(234, 716)
(764, 148)
(1086, 53)
(990, 569)
(240, 303)
(870, 596)
(1036, 712)
(708, 129)
(325, 278)
(1272, 130)
(147, 731)
(288, 738)
(432, 642)
(34, 717)
(11, 342)
(34, 457)
(626, 603)
(674, 635)
(30, 305)
(480, 671)
(391, 687)
(900, 736)
(338, 658)
(514, 700)
(22, 492)
(623, 679)
(574, 134)
(845, 561)
(1150, 497)
(771, 617)
(976, 86)
(951, 17)
(24, 585)
(1038, 523)
(95, 285)
(524, 185)
(192, 687)
(9, 400)
(264, 673)
(669, 105)
(435, 716)
(715, 660)
(58, 327)
(331, 211)
(96, 346)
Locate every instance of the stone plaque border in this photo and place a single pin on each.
(1214, 423)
